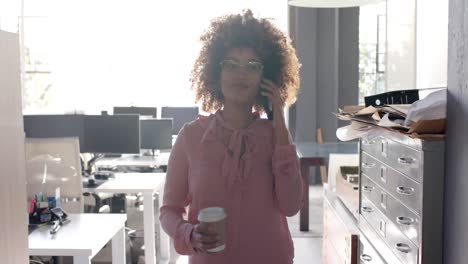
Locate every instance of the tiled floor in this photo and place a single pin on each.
(308, 250)
(307, 245)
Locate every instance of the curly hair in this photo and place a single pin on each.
(244, 31)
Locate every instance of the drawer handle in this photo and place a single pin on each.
(368, 165)
(405, 161)
(402, 220)
(367, 188)
(384, 148)
(402, 247)
(365, 257)
(404, 190)
(367, 209)
(383, 174)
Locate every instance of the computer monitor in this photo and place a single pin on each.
(156, 133)
(143, 111)
(55, 126)
(112, 134)
(180, 116)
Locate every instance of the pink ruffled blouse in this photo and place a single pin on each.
(257, 188)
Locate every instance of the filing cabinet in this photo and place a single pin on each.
(401, 199)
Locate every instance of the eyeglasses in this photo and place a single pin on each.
(251, 66)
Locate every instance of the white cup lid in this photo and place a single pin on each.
(211, 214)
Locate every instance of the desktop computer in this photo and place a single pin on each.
(142, 111)
(55, 126)
(96, 133)
(156, 134)
(112, 134)
(180, 116)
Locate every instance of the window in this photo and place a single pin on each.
(372, 38)
(88, 55)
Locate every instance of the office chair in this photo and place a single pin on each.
(54, 163)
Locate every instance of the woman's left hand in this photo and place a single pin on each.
(271, 91)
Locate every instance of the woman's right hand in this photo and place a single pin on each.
(202, 238)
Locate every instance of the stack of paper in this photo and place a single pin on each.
(424, 118)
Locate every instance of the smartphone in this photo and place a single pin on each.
(267, 107)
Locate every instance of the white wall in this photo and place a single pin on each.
(416, 44)
(10, 10)
(13, 220)
(401, 37)
(431, 43)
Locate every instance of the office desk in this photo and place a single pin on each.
(83, 237)
(148, 184)
(315, 154)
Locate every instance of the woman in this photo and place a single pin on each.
(233, 159)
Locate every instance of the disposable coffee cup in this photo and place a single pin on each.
(215, 219)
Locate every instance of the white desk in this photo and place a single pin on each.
(148, 184)
(82, 238)
(135, 161)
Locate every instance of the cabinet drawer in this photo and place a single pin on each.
(367, 253)
(336, 232)
(405, 160)
(370, 190)
(400, 157)
(403, 218)
(375, 146)
(398, 243)
(406, 190)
